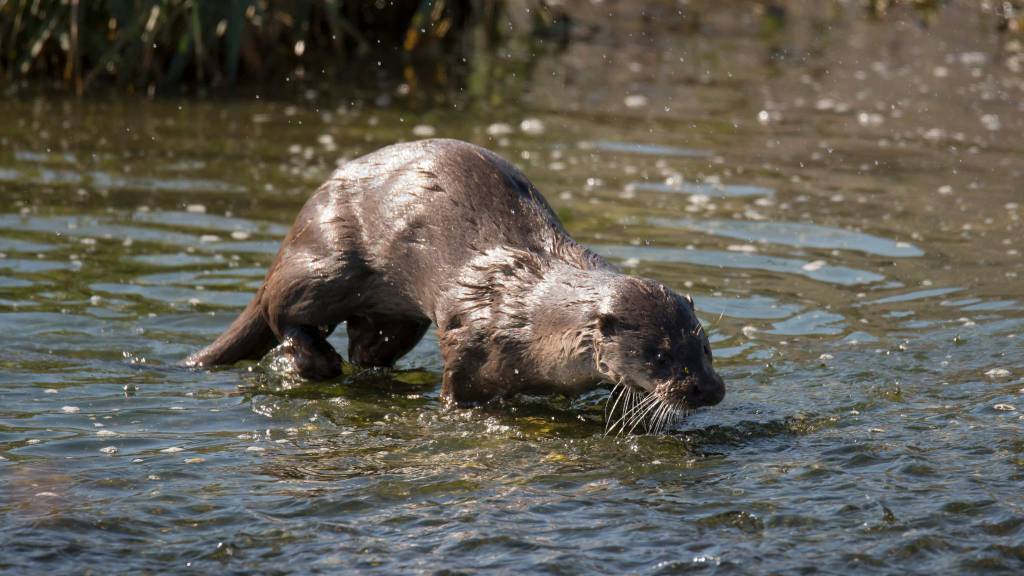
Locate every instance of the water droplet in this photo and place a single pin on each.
(635, 101)
(423, 131)
(991, 122)
(499, 129)
(532, 126)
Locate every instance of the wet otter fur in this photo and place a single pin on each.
(445, 232)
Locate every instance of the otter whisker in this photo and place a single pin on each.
(624, 394)
(645, 417)
(636, 403)
(639, 410)
(659, 420)
(610, 411)
(627, 408)
(654, 425)
(653, 403)
(699, 330)
(668, 417)
(610, 424)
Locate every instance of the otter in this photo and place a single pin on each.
(447, 233)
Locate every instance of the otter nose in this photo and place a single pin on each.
(706, 391)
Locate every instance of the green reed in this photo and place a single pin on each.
(156, 44)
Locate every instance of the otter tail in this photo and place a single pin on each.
(248, 338)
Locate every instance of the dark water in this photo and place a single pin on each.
(842, 197)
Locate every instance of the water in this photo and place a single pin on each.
(835, 195)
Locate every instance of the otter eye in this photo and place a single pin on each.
(661, 359)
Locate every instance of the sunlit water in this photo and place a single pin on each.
(842, 200)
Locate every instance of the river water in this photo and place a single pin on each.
(841, 195)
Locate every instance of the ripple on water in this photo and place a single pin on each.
(40, 176)
(224, 224)
(269, 247)
(709, 190)
(915, 295)
(644, 149)
(100, 179)
(25, 265)
(95, 227)
(808, 323)
(43, 176)
(751, 307)
(44, 157)
(841, 275)
(993, 306)
(174, 260)
(178, 294)
(16, 245)
(7, 282)
(794, 234)
(110, 228)
(199, 278)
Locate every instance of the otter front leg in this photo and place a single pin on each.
(314, 357)
(380, 341)
(465, 381)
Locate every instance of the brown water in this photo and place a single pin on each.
(842, 197)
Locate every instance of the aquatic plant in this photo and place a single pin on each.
(153, 45)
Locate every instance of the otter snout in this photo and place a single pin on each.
(696, 391)
(706, 391)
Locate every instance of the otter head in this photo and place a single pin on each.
(650, 339)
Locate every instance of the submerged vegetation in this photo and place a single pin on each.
(154, 45)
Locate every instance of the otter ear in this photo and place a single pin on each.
(689, 300)
(607, 324)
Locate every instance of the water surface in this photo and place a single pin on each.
(835, 195)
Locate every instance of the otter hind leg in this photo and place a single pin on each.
(307, 297)
(314, 357)
(379, 341)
